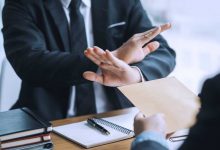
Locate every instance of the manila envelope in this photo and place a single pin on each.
(167, 96)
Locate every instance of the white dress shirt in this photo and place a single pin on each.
(102, 103)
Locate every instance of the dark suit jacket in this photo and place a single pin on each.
(37, 46)
(205, 134)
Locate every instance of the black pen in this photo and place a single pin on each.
(97, 126)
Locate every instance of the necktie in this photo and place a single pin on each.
(85, 98)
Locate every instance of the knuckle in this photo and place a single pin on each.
(133, 41)
(134, 36)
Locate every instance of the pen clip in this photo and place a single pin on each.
(178, 138)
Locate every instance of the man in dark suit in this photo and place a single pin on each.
(45, 40)
(204, 135)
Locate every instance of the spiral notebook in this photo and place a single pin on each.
(120, 128)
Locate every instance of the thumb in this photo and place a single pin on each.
(139, 116)
(151, 47)
(91, 76)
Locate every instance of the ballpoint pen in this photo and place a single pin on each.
(178, 138)
(97, 126)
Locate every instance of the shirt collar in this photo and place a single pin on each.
(66, 3)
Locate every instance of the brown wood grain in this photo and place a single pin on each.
(61, 143)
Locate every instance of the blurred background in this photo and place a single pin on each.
(195, 37)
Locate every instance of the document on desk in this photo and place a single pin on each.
(83, 134)
(168, 96)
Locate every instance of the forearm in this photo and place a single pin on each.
(32, 56)
(157, 64)
(42, 68)
(38, 66)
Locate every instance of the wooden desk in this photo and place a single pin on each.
(62, 143)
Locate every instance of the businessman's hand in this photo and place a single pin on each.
(135, 49)
(155, 123)
(113, 73)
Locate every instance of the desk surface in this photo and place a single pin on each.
(62, 143)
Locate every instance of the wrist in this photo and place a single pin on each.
(150, 136)
(142, 77)
(159, 132)
(136, 74)
(115, 53)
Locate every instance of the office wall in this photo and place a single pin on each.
(194, 36)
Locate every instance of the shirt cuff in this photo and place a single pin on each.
(139, 70)
(151, 136)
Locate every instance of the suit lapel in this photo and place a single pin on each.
(100, 22)
(57, 13)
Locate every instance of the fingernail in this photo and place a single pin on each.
(156, 44)
(168, 24)
(157, 29)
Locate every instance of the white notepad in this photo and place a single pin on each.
(88, 137)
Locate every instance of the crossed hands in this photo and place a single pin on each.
(115, 69)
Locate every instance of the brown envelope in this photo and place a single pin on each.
(168, 96)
